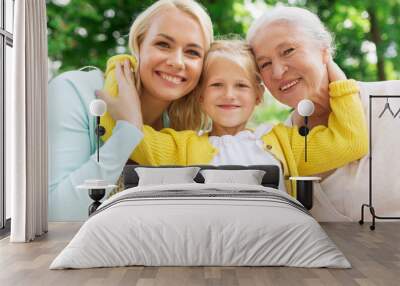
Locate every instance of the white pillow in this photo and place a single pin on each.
(247, 177)
(165, 176)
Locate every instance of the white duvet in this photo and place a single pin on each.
(183, 231)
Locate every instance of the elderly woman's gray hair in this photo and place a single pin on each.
(299, 17)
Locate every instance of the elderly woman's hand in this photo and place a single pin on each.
(334, 71)
(126, 106)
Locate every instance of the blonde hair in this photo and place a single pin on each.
(182, 112)
(237, 51)
(299, 17)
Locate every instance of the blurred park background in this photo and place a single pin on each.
(367, 34)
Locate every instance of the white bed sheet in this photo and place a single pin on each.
(200, 231)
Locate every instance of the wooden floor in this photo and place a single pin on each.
(374, 255)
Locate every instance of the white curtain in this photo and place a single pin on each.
(26, 119)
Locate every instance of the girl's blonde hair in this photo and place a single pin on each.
(182, 112)
(237, 51)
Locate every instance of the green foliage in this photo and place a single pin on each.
(271, 111)
(226, 13)
(88, 32)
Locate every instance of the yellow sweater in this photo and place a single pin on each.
(344, 140)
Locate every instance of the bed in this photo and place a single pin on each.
(201, 224)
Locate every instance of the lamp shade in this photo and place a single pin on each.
(97, 107)
(305, 107)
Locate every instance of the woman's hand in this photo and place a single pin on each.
(334, 71)
(321, 100)
(126, 106)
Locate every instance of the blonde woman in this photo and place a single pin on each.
(169, 40)
(167, 64)
(228, 92)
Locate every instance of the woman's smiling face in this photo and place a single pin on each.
(171, 55)
(292, 63)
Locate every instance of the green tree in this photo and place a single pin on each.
(367, 34)
(88, 32)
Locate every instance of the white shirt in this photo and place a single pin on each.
(245, 148)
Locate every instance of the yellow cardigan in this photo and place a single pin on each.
(344, 140)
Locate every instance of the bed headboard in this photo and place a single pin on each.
(270, 179)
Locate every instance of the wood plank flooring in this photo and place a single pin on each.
(374, 255)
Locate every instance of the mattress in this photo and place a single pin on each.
(201, 225)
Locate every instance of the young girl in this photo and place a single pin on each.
(169, 39)
(228, 91)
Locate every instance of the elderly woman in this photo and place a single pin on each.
(292, 48)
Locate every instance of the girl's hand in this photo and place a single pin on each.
(126, 106)
(334, 71)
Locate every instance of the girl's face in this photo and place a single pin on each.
(229, 96)
(171, 55)
(291, 63)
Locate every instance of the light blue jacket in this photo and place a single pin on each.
(72, 144)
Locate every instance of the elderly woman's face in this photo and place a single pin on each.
(291, 62)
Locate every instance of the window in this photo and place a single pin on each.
(6, 45)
